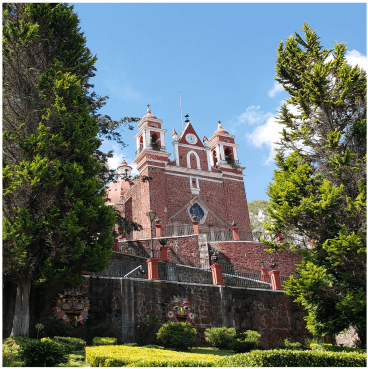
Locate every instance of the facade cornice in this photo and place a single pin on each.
(153, 120)
(192, 171)
(220, 134)
(152, 152)
(192, 146)
(146, 128)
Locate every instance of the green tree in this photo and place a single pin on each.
(55, 222)
(318, 194)
(258, 215)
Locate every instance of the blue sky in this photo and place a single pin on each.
(222, 59)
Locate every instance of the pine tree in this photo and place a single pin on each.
(55, 221)
(318, 194)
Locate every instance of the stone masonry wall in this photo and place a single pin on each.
(119, 303)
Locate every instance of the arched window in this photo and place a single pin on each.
(214, 155)
(154, 142)
(229, 156)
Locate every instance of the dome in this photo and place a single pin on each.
(149, 115)
(220, 129)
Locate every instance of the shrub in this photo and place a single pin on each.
(289, 358)
(76, 344)
(177, 335)
(219, 337)
(104, 341)
(334, 348)
(118, 356)
(146, 328)
(287, 345)
(245, 342)
(43, 353)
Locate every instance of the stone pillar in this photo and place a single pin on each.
(195, 227)
(275, 279)
(217, 274)
(235, 233)
(163, 250)
(158, 230)
(265, 275)
(152, 268)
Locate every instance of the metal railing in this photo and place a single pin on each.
(183, 273)
(118, 268)
(214, 236)
(151, 147)
(243, 277)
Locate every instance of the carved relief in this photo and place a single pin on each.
(180, 309)
(72, 306)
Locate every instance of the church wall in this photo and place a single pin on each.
(246, 254)
(235, 194)
(183, 151)
(178, 195)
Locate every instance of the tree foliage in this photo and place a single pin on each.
(318, 194)
(258, 215)
(55, 221)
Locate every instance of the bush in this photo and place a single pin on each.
(287, 345)
(103, 341)
(177, 335)
(334, 348)
(219, 337)
(245, 342)
(43, 353)
(75, 344)
(289, 358)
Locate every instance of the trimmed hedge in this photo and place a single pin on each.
(287, 358)
(219, 337)
(145, 357)
(334, 348)
(104, 341)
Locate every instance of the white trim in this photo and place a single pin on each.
(148, 151)
(193, 147)
(215, 134)
(149, 165)
(195, 172)
(209, 159)
(149, 120)
(197, 157)
(147, 128)
(224, 143)
(188, 175)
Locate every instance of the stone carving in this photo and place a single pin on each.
(180, 309)
(72, 306)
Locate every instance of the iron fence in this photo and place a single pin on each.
(243, 277)
(151, 147)
(118, 268)
(214, 236)
(183, 273)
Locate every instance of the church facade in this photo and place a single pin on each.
(203, 181)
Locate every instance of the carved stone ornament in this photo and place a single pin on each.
(180, 309)
(72, 306)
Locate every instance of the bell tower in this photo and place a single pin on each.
(224, 152)
(151, 158)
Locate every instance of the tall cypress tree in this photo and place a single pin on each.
(318, 194)
(55, 222)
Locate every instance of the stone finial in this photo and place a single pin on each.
(187, 116)
(148, 109)
(174, 132)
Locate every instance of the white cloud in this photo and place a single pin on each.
(354, 57)
(253, 116)
(277, 88)
(266, 135)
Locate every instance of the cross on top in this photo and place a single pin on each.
(219, 121)
(148, 106)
